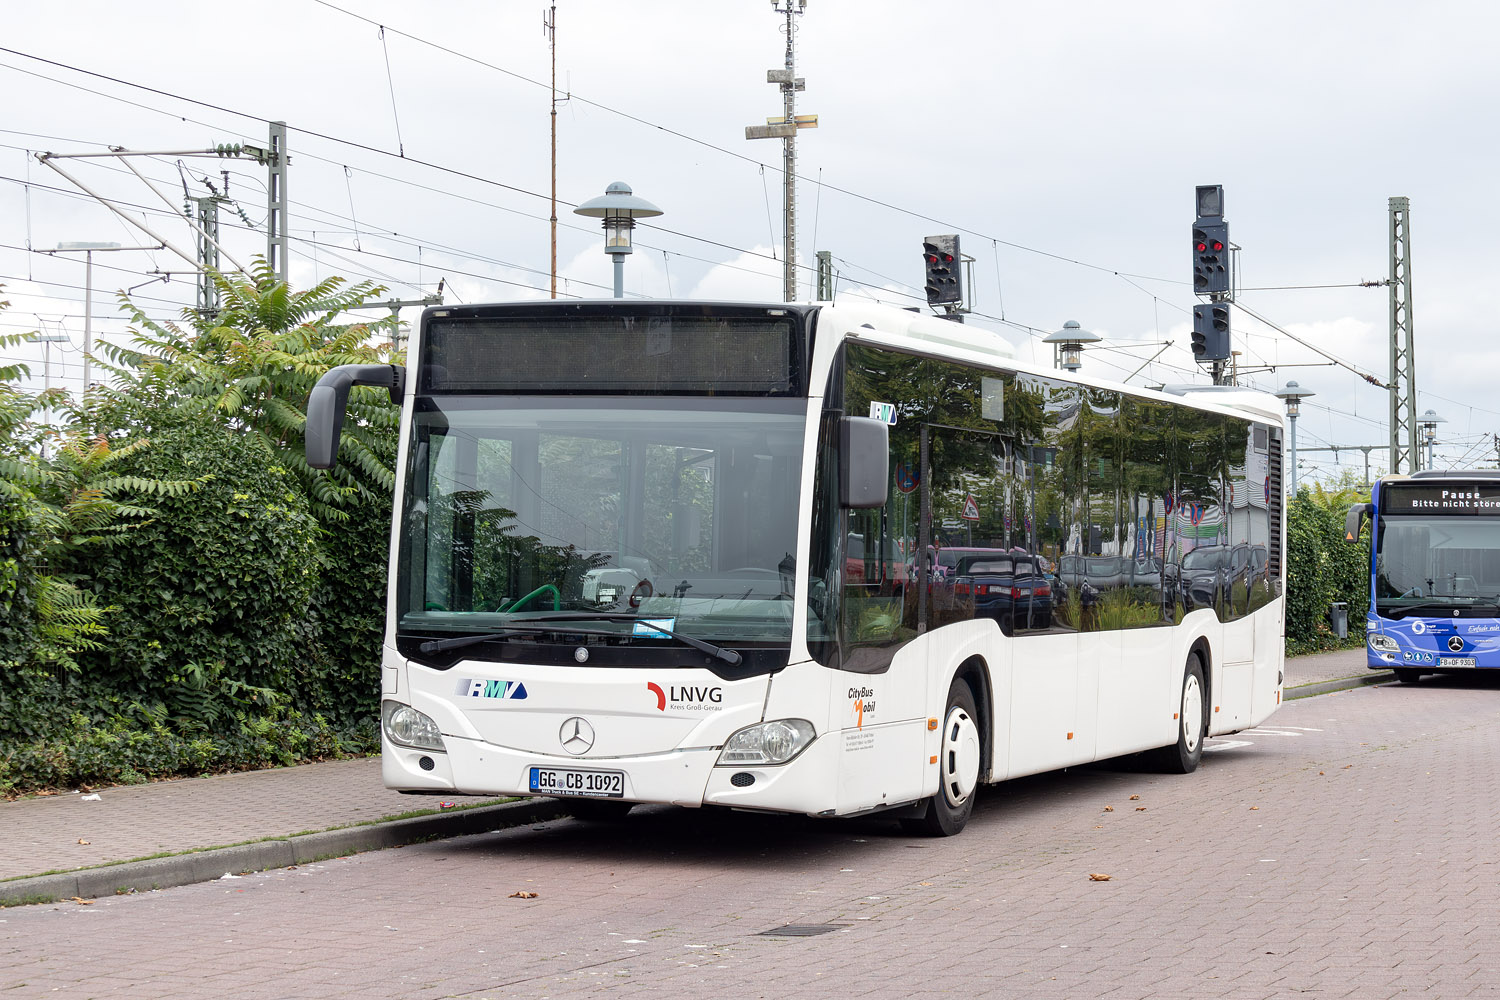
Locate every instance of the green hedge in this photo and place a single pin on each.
(83, 752)
(212, 594)
(1323, 568)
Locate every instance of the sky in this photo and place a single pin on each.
(1062, 142)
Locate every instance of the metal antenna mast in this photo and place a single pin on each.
(785, 129)
(549, 28)
(276, 160)
(1403, 385)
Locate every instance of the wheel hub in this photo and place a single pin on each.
(1192, 713)
(960, 758)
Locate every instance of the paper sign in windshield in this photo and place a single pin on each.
(653, 627)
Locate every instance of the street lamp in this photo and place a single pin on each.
(1292, 395)
(1067, 349)
(619, 208)
(1428, 422)
(88, 297)
(47, 340)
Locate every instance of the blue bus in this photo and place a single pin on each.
(1434, 572)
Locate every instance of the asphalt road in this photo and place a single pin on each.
(1347, 850)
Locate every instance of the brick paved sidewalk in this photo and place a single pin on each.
(126, 822)
(132, 821)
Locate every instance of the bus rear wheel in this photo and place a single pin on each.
(1183, 756)
(959, 756)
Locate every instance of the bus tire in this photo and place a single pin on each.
(1183, 756)
(1408, 675)
(598, 810)
(959, 759)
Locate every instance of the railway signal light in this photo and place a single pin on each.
(1211, 332)
(1210, 256)
(940, 260)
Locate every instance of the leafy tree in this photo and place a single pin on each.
(253, 366)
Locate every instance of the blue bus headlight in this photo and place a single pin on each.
(767, 742)
(407, 727)
(1384, 643)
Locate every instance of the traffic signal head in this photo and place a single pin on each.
(1211, 332)
(1210, 256)
(940, 260)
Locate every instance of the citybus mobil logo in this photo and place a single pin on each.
(687, 697)
(478, 687)
(1418, 627)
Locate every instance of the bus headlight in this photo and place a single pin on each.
(406, 726)
(1384, 643)
(767, 742)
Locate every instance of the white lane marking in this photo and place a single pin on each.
(1226, 745)
(1269, 732)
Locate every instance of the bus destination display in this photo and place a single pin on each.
(1441, 498)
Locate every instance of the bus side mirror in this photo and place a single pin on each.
(328, 400)
(1353, 519)
(864, 462)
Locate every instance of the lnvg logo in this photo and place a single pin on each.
(475, 687)
(707, 699)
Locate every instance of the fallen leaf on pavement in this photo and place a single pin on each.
(1134, 798)
(924, 883)
(523, 894)
(81, 901)
(1109, 809)
(1140, 809)
(82, 841)
(1253, 808)
(1098, 877)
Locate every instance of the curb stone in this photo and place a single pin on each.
(205, 866)
(1341, 684)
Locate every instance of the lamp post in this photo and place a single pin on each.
(619, 208)
(1068, 343)
(1292, 395)
(47, 340)
(1428, 422)
(88, 297)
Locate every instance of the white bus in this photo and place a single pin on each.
(827, 559)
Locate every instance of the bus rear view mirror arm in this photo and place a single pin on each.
(864, 462)
(1352, 520)
(328, 400)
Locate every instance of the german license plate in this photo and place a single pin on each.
(1455, 661)
(574, 781)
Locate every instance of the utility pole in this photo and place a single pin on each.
(276, 225)
(1336, 448)
(206, 210)
(1403, 384)
(785, 129)
(396, 305)
(825, 276)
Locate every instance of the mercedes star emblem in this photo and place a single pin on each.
(1455, 643)
(577, 736)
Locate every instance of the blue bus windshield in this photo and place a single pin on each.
(1427, 565)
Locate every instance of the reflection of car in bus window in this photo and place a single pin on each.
(1009, 589)
(1202, 578)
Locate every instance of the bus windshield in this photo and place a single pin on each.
(680, 510)
(1427, 562)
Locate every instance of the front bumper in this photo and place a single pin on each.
(806, 784)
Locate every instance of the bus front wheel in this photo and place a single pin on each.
(958, 768)
(1183, 756)
(1406, 675)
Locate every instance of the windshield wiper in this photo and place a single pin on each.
(729, 656)
(1477, 602)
